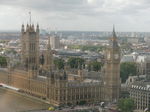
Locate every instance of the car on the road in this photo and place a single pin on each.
(51, 108)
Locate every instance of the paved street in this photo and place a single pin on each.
(10, 102)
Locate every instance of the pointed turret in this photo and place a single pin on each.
(22, 29)
(27, 27)
(48, 45)
(32, 27)
(37, 28)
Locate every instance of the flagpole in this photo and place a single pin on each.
(30, 18)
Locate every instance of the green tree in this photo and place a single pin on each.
(87, 47)
(75, 62)
(82, 102)
(3, 61)
(95, 66)
(126, 105)
(59, 63)
(127, 69)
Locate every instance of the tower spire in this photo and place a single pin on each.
(48, 45)
(113, 40)
(114, 33)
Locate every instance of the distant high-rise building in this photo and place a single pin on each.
(55, 42)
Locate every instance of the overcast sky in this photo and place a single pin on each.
(84, 15)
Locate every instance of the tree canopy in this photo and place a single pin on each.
(75, 62)
(3, 61)
(126, 105)
(59, 63)
(87, 47)
(127, 69)
(95, 66)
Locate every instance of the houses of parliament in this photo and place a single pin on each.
(38, 76)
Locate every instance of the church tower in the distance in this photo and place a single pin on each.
(112, 82)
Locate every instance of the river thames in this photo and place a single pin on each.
(11, 102)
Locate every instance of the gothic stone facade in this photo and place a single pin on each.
(56, 87)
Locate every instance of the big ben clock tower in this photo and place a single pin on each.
(111, 79)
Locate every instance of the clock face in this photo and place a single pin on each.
(104, 83)
(116, 56)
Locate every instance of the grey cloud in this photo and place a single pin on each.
(74, 6)
(71, 12)
(79, 6)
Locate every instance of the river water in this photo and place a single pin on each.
(10, 102)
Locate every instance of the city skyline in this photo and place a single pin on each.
(77, 15)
